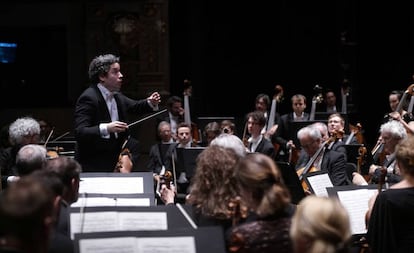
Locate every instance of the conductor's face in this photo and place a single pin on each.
(113, 79)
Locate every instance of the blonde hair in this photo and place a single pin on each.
(323, 224)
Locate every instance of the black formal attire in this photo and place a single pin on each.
(60, 241)
(333, 162)
(285, 132)
(391, 226)
(264, 146)
(391, 177)
(93, 152)
(262, 234)
(8, 164)
(160, 154)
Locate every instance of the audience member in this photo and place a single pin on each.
(320, 225)
(263, 192)
(29, 158)
(28, 210)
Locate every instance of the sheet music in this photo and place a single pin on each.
(318, 183)
(116, 221)
(356, 203)
(108, 245)
(111, 185)
(182, 244)
(111, 201)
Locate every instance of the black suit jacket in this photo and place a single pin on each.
(284, 134)
(94, 153)
(333, 162)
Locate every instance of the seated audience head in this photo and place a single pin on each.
(213, 184)
(261, 185)
(28, 211)
(30, 157)
(68, 170)
(320, 225)
(230, 141)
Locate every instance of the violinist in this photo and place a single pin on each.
(390, 222)
(331, 161)
(101, 114)
(257, 142)
(391, 133)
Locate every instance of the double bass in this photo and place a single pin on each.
(195, 132)
(271, 126)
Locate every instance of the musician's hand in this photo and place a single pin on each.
(117, 127)
(358, 179)
(154, 98)
(167, 194)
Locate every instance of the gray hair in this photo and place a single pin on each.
(100, 65)
(22, 127)
(30, 157)
(230, 141)
(310, 131)
(395, 128)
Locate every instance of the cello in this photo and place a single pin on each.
(309, 168)
(271, 127)
(195, 132)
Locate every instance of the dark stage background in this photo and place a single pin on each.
(230, 50)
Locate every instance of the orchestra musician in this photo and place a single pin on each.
(331, 161)
(389, 216)
(174, 115)
(101, 114)
(284, 137)
(391, 133)
(257, 142)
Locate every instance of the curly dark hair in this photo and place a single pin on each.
(213, 186)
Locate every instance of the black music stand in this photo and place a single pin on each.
(201, 240)
(291, 180)
(186, 160)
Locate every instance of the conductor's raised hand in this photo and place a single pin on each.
(154, 98)
(117, 127)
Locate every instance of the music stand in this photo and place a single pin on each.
(352, 152)
(200, 240)
(291, 180)
(186, 160)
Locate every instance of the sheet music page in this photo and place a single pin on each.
(93, 222)
(356, 203)
(319, 183)
(109, 245)
(110, 201)
(142, 221)
(111, 185)
(183, 244)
